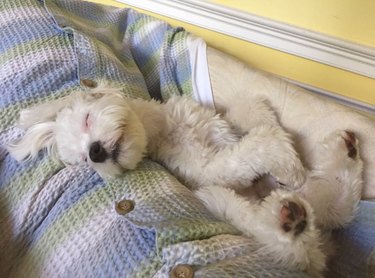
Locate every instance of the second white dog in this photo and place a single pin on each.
(223, 163)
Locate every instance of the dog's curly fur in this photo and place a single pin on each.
(223, 162)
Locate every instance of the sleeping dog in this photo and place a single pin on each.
(224, 164)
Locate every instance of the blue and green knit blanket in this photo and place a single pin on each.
(58, 221)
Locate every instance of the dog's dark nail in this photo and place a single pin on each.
(286, 227)
(350, 141)
(352, 152)
(300, 227)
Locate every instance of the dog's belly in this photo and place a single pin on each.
(189, 140)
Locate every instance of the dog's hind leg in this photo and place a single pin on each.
(283, 224)
(335, 184)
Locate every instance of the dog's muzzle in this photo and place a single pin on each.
(97, 153)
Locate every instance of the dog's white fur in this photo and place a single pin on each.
(222, 161)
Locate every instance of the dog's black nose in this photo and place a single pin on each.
(97, 153)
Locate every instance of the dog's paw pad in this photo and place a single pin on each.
(293, 217)
(350, 143)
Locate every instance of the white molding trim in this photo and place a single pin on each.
(276, 35)
(347, 101)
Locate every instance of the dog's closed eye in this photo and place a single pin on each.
(116, 149)
(87, 122)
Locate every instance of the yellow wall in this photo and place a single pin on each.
(352, 20)
(340, 18)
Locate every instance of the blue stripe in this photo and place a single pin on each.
(41, 81)
(10, 169)
(68, 195)
(12, 35)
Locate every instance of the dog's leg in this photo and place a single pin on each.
(335, 184)
(252, 113)
(201, 148)
(264, 150)
(267, 143)
(283, 223)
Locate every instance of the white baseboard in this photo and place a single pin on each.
(276, 35)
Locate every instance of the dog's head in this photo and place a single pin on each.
(97, 127)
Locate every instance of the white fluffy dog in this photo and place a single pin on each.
(223, 163)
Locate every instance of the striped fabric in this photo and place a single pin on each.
(59, 221)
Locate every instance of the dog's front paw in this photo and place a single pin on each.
(272, 152)
(291, 174)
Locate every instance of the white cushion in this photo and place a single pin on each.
(307, 116)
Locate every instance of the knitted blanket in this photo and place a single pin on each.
(58, 221)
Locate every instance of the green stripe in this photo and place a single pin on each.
(171, 89)
(23, 185)
(132, 90)
(187, 87)
(151, 63)
(70, 222)
(11, 5)
(139, 24)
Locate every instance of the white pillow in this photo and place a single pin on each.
(308, 117)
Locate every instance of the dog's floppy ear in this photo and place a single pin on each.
(43, 112)
(37, 137)
(40, 123)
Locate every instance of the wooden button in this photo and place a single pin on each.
(182, 271)
(124, 207)
(89, 83)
